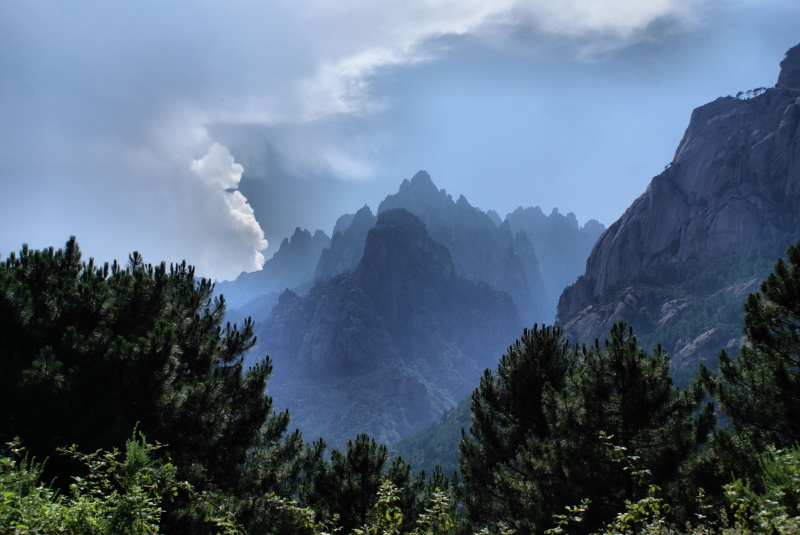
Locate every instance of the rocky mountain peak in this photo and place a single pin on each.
(789, 78)
(495, 217)
(291, 265)
(342, 224)
(734, 182)
(303, 244)
(420, 185)
(299, 236)
(347, 245)
(421, 197)
(399, 250)
(363, 217)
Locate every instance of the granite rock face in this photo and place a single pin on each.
(345, 336)
(656, 317)
(734, 182)
(403, 322)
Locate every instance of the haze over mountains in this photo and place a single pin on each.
(386, 348)
(530, 255)
(390, 322)
(680, 262)
(406, 306)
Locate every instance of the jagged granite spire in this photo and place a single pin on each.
(789, 78)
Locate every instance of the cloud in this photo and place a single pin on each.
(344, 166)
(358, 39)
(243, 222)
(218, 170)
(111, 104)
(353, 43)
(624, 19)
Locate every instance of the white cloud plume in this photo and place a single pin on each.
(218, 170)
(112, 101)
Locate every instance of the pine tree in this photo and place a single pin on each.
(759, 390)
(557, 426)
(620, 424)
(507, 413)
(347, 487)
(89, 352)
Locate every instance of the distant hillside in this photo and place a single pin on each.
(347, 244)
(531, 256)
(561, 247)
(292, 265)
(387, 348)
(481, 251)
(437, 444)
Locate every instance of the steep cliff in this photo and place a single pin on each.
(734, 181)
(676, 262)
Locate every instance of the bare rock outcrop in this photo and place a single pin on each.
(734, 182)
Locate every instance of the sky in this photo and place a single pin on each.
(209, 130)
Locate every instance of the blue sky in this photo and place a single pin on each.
(132, 125)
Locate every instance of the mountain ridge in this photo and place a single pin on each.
(403, 322)
(734, 181)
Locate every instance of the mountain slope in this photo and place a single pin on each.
(482, 251)
(562, 246)
(385, 349)
(347, 245)
(734, 180)
(679, 264)
(729, 201)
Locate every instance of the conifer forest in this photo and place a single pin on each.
(126, 408)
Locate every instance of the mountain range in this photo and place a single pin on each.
(680, 262)
(392, 320)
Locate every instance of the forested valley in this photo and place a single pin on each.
(126, 408)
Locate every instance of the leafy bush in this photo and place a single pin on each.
(122, 493)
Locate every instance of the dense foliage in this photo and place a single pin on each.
(760, 388)
(553, 425)
(88, 352)
(509, 416)
(563, 439)
(436, 444)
